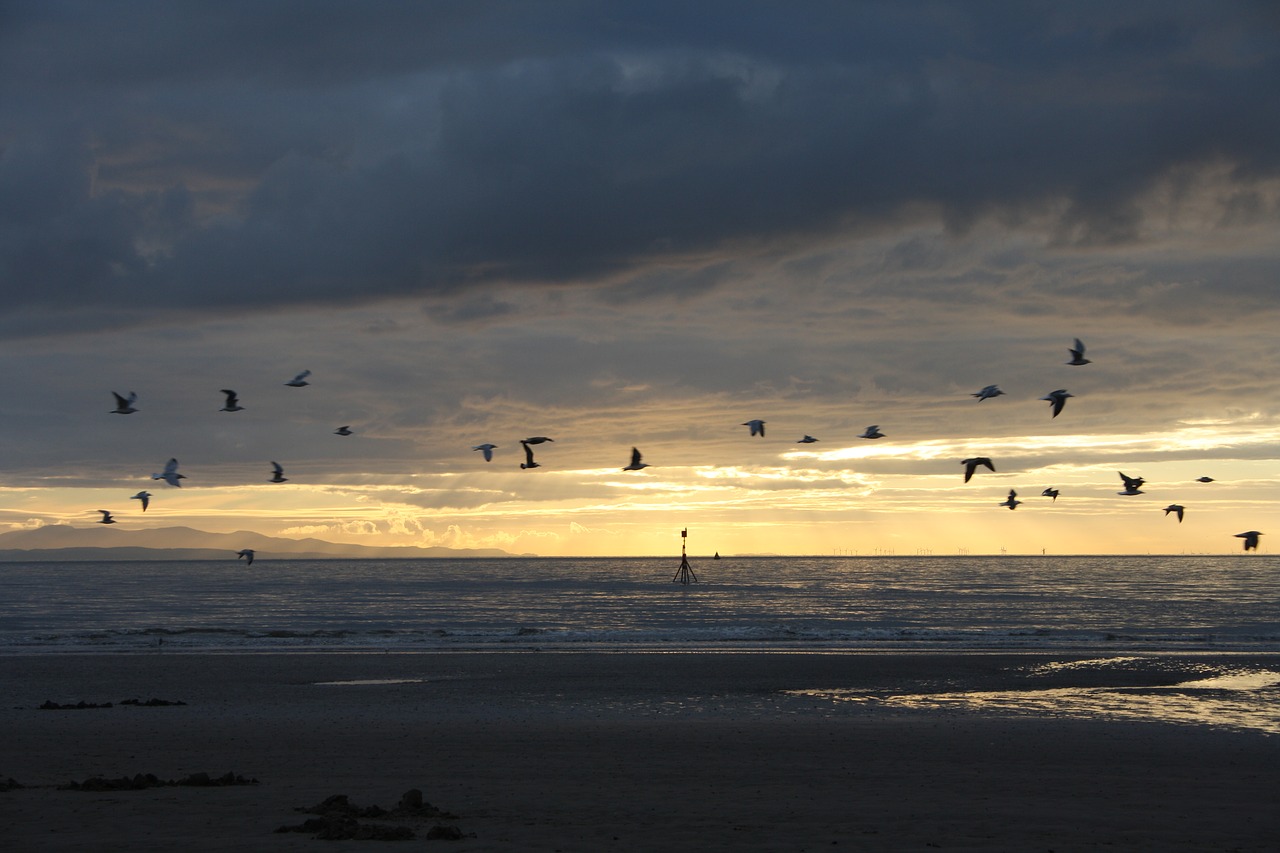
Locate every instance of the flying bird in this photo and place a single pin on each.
(299, 380)
(170, 474)
(342, 430)
(528, 457)
(808, 439)
(872, 431)
(233, 402)
(277, 473)
(145, 497)
(1204, 479)
(1132, 485)
(1050, 493)
(487, 450)
(970, 465)
(1012, 501)
(636, 464)
(1077, 354)
(1250, 538)
(757, 426)
(106, 517)
(246, 555)
(124, 405)
(1178, 508)
(987, 393)
(1057, 399)
(537, 439)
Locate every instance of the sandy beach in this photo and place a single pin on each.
(595, 751)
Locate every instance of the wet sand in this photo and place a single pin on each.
(595, 752)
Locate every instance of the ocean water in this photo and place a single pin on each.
(1182, 639)
(1088, 604)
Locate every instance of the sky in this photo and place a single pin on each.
(641, 225)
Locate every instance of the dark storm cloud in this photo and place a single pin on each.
(187, 155)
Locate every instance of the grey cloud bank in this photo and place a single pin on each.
(165, 157)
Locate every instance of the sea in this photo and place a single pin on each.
(1105, 603)
(1100, 611)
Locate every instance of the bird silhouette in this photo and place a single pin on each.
(1057, 399)
(1250, 538)
(971, 465)
(636, 464)
(1132, 485)
(170, 474)
(124, 405)
(233, 402)
(528, 457)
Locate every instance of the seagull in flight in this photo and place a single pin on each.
(143, 496)
(970, 465)
(1132, 485)
(1077, 354)
(1012, 501)
(1178, 508)
(528, 457)
(1058, 399)
(233, 402)
(808, 439)
(636, 464)
(299, 380)
(1250, 538)
(170, 474)
(277, 473)
(124, 405)
(872, 431)
(246, 555)
(757, 426)
(487, 450)
(342, 430)
(1204, 479)
(106, 517)
(537, 439)
(987, 393)
(1050, 493)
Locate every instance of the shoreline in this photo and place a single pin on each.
(595, 751)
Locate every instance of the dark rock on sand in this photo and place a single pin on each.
(50, 705)
(140, 781)
(339, 818)
(338, 827)
(9, 784)
(204, 780)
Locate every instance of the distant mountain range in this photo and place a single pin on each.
(58, 542)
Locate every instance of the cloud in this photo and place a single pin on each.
(392, 150)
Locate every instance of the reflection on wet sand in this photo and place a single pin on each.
(1234, 699)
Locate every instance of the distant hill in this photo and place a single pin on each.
(56, 542)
